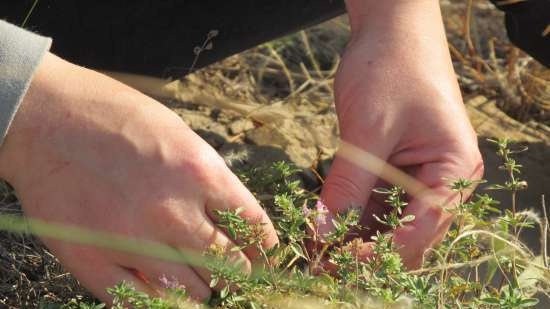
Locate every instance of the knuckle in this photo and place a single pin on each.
(466, 160)
(170, 216)
(247, 266)
(203, 294)
(205, 166)
(241, 262)
(435, 213)
(343, 188)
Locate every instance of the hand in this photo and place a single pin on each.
(87, 151)
(397, 98)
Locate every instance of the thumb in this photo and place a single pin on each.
(348, 184)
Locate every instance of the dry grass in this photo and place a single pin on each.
(488, 64)
(29, 274)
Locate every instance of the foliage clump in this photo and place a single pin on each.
(480, 263)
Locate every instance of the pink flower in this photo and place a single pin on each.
(321, 207)
(321, 212)
(171, 283)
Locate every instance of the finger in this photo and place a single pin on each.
(190, 230)
(428, 228)
(377, 207)
(204, 235)
(231, 194)
(432, 220)
(348, 184)
(368, 223)
(415, 238)
(104, 275)
(95, 268)
(163, 275)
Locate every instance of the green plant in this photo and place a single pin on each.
(480, 264)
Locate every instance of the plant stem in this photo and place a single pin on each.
(544, 233)
(29, 13)
(269, 265)
(514, 193)
(356, 271)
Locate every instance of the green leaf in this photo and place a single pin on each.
(490, 300)
(224, 292)
(232, 232)
(529, 302)
(407, 219)
(297, 249)
(379, 220)
(381, 190)
(214, 282)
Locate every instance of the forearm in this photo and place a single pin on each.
(401, 37)
(395, 26)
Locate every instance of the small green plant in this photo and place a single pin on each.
(480, 263)
(395, 201)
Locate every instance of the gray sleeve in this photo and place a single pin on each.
(21, 52)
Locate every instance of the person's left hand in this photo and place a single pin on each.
(397, 98)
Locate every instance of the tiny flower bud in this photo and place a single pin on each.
(172, 283)
(321, 212)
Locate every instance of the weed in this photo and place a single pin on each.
(325, 270)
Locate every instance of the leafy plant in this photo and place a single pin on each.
(480, 263)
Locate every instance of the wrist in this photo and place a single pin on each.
(409, 30)
(16, 150)
(388, 15)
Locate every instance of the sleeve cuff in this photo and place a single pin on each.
(21, 52)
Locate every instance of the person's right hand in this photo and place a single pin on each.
(88, 151)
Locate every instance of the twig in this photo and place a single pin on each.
(467, 28)
(206, 45)
(508, 2)
(513, 65)
(544, 232)
(310, 54)
(29, 13)
(286, 71)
